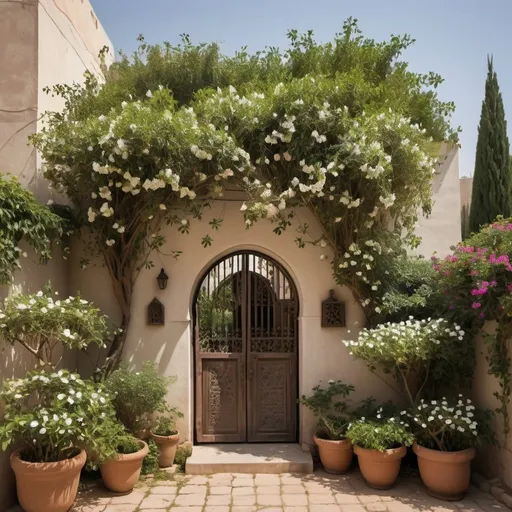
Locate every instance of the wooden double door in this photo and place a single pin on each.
(246, 352)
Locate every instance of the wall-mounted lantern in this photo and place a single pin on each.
(156, 313)
(333, 312)
(162, 280)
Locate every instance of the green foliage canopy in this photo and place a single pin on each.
(344, 129)
(22, 217)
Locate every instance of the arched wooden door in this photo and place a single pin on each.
(246, 352)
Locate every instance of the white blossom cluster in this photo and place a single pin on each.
(410, 338)
(302, 133)
(439, 415)
(69, 407)
(73, 321)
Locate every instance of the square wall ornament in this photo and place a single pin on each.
(156, 313)
(333, 311)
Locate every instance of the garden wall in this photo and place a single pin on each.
(442, 229)
(43, 43)
(322, 356)
(321, 353)
(493, 462)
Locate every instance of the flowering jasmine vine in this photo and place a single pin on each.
(40, 323)
(297, 130)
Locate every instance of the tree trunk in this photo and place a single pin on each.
(122, 281)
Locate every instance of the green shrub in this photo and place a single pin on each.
(378, 435)
(419, 354)
(51, 416)
(22, 217)
(408, 288)
(166, 426)
(331, 408)
(138, 395)
(451, 425)
(150, 462)
(182, 454)
(127, 444)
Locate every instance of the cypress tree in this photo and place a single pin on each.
(492, 177)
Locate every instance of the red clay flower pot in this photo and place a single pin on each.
(45, 486)
(336, 456)
(380, 469)
(445, 474)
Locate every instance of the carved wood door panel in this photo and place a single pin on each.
(245, 321)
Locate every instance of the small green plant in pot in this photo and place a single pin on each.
(166, 437)
(447, 433)
(329, 404)
(121, 472)
(138, 396)
(51, 419)
(380, 446)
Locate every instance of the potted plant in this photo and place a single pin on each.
(446, 436)
(121, 472)
(166, 437)
(331, 408)
(138, 395)
(380, 447)
(50, 419)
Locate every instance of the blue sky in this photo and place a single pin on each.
(453, 37)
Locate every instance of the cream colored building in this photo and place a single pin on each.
(42, 43)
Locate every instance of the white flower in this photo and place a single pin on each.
(110, 242)
(277, 157)
(34, 423)
(68, 421)
(106, 210)
(149, 94)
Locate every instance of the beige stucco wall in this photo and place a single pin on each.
(492, 461)
(441, 229)
(42, 43)
(466, 190)
(18, 86)
(322, 356)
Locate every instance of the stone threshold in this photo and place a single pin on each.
(275, 458)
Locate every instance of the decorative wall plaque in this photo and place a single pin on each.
(333, 312)
(156, 313)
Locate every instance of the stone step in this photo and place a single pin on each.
(208, 459)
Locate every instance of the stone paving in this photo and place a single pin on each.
(317, 492)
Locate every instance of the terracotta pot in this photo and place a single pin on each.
(380, 469)
(445, 474)
(121, 474)
(336, 456)
(142, 434)
(44, 486)
(167, 446)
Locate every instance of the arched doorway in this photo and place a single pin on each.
(246, 351)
